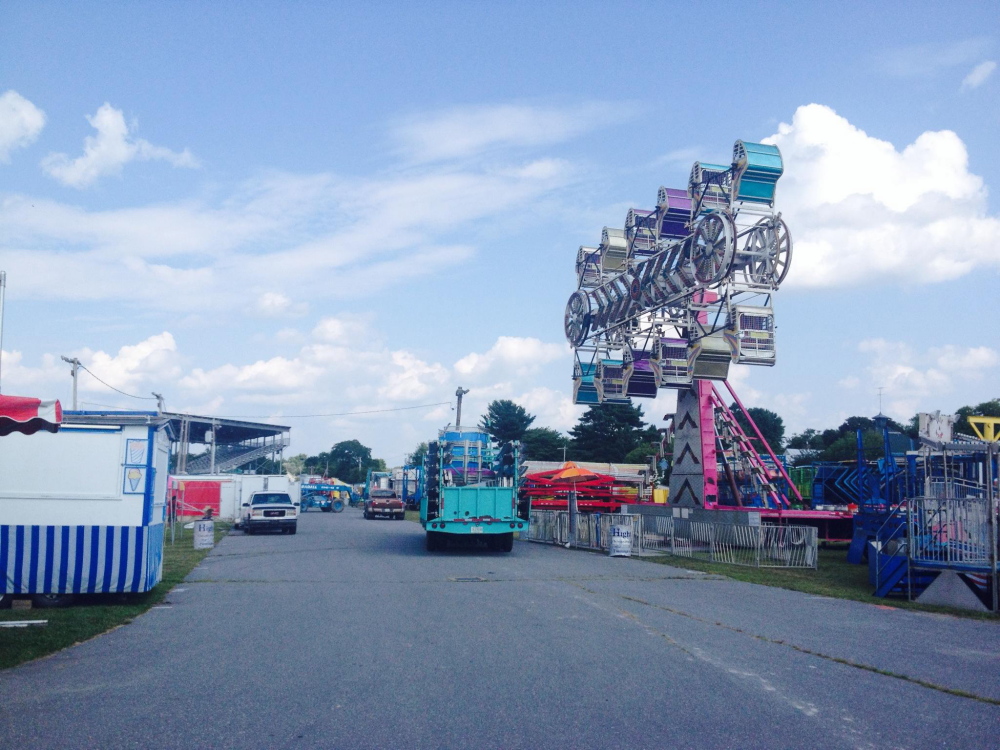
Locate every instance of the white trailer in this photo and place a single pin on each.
(82, 510)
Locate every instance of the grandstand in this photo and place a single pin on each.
(229, 443)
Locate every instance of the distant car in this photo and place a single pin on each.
(268, 511)
(384, 503)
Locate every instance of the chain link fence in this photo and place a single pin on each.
(734, 544)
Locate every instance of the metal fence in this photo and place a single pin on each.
(950, 531)
(754, 546)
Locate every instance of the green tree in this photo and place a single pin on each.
(295, 465)
(543, 444)
(417, 457)
(641, 453)
(989, 408)
(609, 432)
(771, 426)
(845, 448)
(505, 421)
(350, 461)
(807, 440)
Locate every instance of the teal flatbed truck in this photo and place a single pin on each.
(485, 509)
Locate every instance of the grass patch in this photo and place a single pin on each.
(413, 515)
(94, 614)
(835, 578)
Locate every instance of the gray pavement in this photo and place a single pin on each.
(350, 635)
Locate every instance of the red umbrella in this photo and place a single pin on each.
(28, 415)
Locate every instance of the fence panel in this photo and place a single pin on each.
(734, 544)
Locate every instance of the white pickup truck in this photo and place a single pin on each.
(270, 510)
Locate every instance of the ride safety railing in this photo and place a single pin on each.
(762, 546)
(950, 531)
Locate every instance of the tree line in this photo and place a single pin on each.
(618, 433)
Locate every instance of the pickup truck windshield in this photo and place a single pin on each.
(383, 495)
(267, 498)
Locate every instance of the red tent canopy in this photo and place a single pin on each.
(28, 415)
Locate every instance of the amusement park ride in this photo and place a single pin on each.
(685, 290)
(671, 301)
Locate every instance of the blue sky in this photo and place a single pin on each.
(304, 208)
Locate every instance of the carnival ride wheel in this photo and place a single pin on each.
(769, 252)
(577, 320)
(712, 248)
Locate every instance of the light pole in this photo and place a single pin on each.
(458, 412)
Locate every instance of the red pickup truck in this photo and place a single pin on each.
(384, 503)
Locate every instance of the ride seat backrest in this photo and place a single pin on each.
(673, 212)
(711, 183)
(614, 249)
(756, 168)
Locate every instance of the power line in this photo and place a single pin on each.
(143, 398)
(334, 414)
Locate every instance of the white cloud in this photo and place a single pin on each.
(268, 233)
(926, 59)
(978, 75)
(511, 355)
(345, 330)
(135, 367)
(861, 211)
(969, 361)
(464, 131)
(20, 123)
(275, 374)
(921, 380)
(108, 151)
(277, 305)
(409, 378)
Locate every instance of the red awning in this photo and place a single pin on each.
(28, 415)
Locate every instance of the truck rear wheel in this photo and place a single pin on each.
(506, 542)
(433, 541)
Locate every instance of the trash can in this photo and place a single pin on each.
(204, 534)
(621, 541)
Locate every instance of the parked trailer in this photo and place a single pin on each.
(82, 510)
(223, 494)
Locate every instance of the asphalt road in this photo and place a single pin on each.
(350, 635)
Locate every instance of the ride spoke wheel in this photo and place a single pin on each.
(782, 251)
(712, 248)
(577, 320)
(768, 253)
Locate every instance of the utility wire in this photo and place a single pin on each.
(334, 414)
(144, 398)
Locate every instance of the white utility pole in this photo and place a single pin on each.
(159, 402)
(76, 367)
